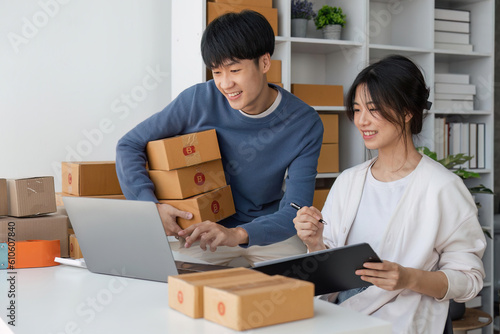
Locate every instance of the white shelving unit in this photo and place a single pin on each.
(374, 29)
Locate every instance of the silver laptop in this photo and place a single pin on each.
(125, 238)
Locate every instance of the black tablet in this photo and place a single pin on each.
(330, 270)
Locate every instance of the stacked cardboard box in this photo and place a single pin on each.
(241, 298)
(187, 173)
(217, 8)
(328, 161)
(319, 95)
(30, 203)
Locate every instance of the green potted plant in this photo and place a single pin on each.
(331, 20)
(302, 11)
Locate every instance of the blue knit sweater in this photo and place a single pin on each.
(256, 153)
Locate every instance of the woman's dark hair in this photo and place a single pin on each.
(397, 88)
(236, 36)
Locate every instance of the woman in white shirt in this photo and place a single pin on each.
(419, 217)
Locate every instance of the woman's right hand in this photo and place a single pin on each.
(309, 228)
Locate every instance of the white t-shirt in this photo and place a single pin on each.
(378, 202)
(269, 110)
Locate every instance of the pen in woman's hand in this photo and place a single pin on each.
(298, 207)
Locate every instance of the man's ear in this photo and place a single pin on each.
(265, 62)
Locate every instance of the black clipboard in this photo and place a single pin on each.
(331, 270)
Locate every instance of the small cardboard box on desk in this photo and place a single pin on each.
(185, 292)
(31, 227)
(31, 196)
(246, 305)
(46, 227)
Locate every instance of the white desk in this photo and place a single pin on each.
(71, 300)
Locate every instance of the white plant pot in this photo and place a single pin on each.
(332, 31)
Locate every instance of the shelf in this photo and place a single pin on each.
(326, 108)
(461, 112)
(454, 56)
(327, 175)
(405, 50)
(321, 46)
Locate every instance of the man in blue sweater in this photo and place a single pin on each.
(266, 136)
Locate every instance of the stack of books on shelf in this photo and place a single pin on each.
(459, 137)
(452, 30)
(453, 92)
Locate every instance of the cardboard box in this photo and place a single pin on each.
(214, 206)
(245, 306)
(74, 248)
(48, 227)
(189, 181)
(185, 292)
(59, 197)
(274, 73)
(215, 10)
(4, 204)
(254, 3)
(331, 126)
(319, 95)
(31, 196)
(319, 199)
(182, 151)
(90, 178)
(328, 161)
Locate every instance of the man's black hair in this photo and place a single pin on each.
(236, 36)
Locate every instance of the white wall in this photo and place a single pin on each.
(75, 76)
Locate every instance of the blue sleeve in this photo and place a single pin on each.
(300, 184)
(131, 149)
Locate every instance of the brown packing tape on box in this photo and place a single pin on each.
(214, 206)
(90, 178)
(275, 300)
(31, 196)
(331, 128)
(48, 227)
(4, 204)
(215, 10)
(185, 292)
(188, 181)
(183, 151)
(319, 95)
(328, 161)
(254, 3)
